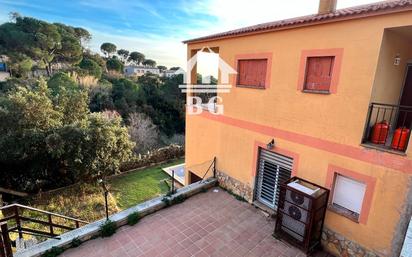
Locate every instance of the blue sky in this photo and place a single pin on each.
(156, 28)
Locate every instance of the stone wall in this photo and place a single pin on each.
(337, 244)
(235, 186)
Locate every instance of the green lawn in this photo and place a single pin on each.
(139, 186)
(86, 201)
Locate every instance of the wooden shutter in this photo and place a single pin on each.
(252, 73)
(319, 73)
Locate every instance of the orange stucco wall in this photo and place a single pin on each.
(323, 130)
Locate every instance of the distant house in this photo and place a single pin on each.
(137, 71)
(4, 74)
(169, 73)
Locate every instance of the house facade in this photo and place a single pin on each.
(137, 71)
(325, 97)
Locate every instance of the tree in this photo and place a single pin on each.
(149, 62)
(59, 145)
(95, 57)
(124, 54)
(42, 42)
(61, 80)
(83, 35)
(101, 97)
(162, 68)
(136, 57)
(114, 65)
(108, 49)
(143, 132)
(92, 67)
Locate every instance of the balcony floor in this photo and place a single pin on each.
(207, 224)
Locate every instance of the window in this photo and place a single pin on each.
(319, 73)
(348, 195)
(252, 72)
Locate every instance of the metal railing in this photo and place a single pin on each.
(15, 216)
(213, 166)
(388, 126)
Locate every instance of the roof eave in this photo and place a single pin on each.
(303, 24)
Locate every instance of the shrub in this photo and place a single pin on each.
(160, 155)
(166, 200)
(76, 242)
(133, 218)
(108, 228)
(53, 252)
(178, 199)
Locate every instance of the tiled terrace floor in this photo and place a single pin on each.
(207, 224)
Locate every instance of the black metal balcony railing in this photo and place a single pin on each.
(388, 126)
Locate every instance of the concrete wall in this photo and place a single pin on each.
(321, 132)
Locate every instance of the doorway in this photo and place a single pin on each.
(405, 117)
(193, 178)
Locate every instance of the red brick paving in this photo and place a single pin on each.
(207, 224)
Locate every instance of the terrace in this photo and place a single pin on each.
(208, 224)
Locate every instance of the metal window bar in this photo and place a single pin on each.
(399, 119)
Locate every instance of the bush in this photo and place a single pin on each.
(76, 242)
(160, 155)
(92, 67)
(108, 228)
(53, 252)
(178, 199)
(133, 218)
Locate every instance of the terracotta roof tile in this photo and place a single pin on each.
(351, 12)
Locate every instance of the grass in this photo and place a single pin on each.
(137, 187)
(86, 201)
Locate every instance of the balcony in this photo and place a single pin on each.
(388, 127)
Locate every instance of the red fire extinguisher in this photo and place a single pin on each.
(380, 132)
(400, 137)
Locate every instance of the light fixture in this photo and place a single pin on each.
(271, 144)
(106, 194)
(397, 60)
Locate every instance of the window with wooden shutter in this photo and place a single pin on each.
(319, 73)
(252, 73)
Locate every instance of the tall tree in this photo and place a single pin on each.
(44, 43)
(162, 68)
(108, 49)
(143, 132)
(149, 62)
(114, 64)
(123, 54)
(136, 57)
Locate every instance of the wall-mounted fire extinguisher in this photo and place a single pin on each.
(380, 132)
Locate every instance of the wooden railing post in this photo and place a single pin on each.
(6, 250)
(18, 222)
(77, 224)
(51, 224)
(214, 167)
(2, 247)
